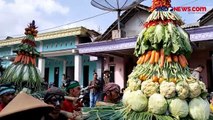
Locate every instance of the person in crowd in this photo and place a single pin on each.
(95, 89)
(64, 80)
(72, 103)
(106, 77)
(25, 107)
(197, 71)
(122, 92)
(54, 96)
(7, 93)
(112, 93)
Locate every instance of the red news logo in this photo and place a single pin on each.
(183, 9)
(190, 9)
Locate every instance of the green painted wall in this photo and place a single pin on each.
(51, 64)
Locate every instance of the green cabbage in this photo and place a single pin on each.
(126, 97)
(137, 101)
(157, 104)
(199, 109)
(179, 108)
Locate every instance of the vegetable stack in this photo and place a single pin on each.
(161, 84)
(23, 71)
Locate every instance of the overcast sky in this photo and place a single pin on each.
(16, 14)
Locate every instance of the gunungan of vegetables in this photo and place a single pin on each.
(23, 71)
(161, 83)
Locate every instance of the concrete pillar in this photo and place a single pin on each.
(41, 66)
(99, 69)
(78, 68)
(64, 66)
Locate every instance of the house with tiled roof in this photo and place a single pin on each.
(117, 53)
(59, 54)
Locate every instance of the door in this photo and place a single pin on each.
(70, 72)
(112, 73)
(86, 75)
(46, 75)
(130, 62)
(209, 75)
(56, 76)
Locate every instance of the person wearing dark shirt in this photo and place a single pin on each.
(95, 90)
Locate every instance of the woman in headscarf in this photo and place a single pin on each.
(112, 93)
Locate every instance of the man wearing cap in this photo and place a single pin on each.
(72, 104)
(7, 93)
(54, 96)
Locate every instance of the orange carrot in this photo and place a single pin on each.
(148, 55)
(155, 78)
(18, 58)
(31, 59)
(184, 58)
(139, 59)
(143, 58)
(175, 58)
(169, 59)
(22, 59)
(162, 56)
(34, 61)
(182, 61)
(27, 62)
(157, 55)
(152, 59)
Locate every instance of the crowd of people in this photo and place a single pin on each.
(65, 101)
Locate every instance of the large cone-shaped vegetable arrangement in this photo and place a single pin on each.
(161, 86)
(23, 72)
(162, 75)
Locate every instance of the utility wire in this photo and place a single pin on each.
(63, 24)
(76, 21)
(189, 2)
(84, 20)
